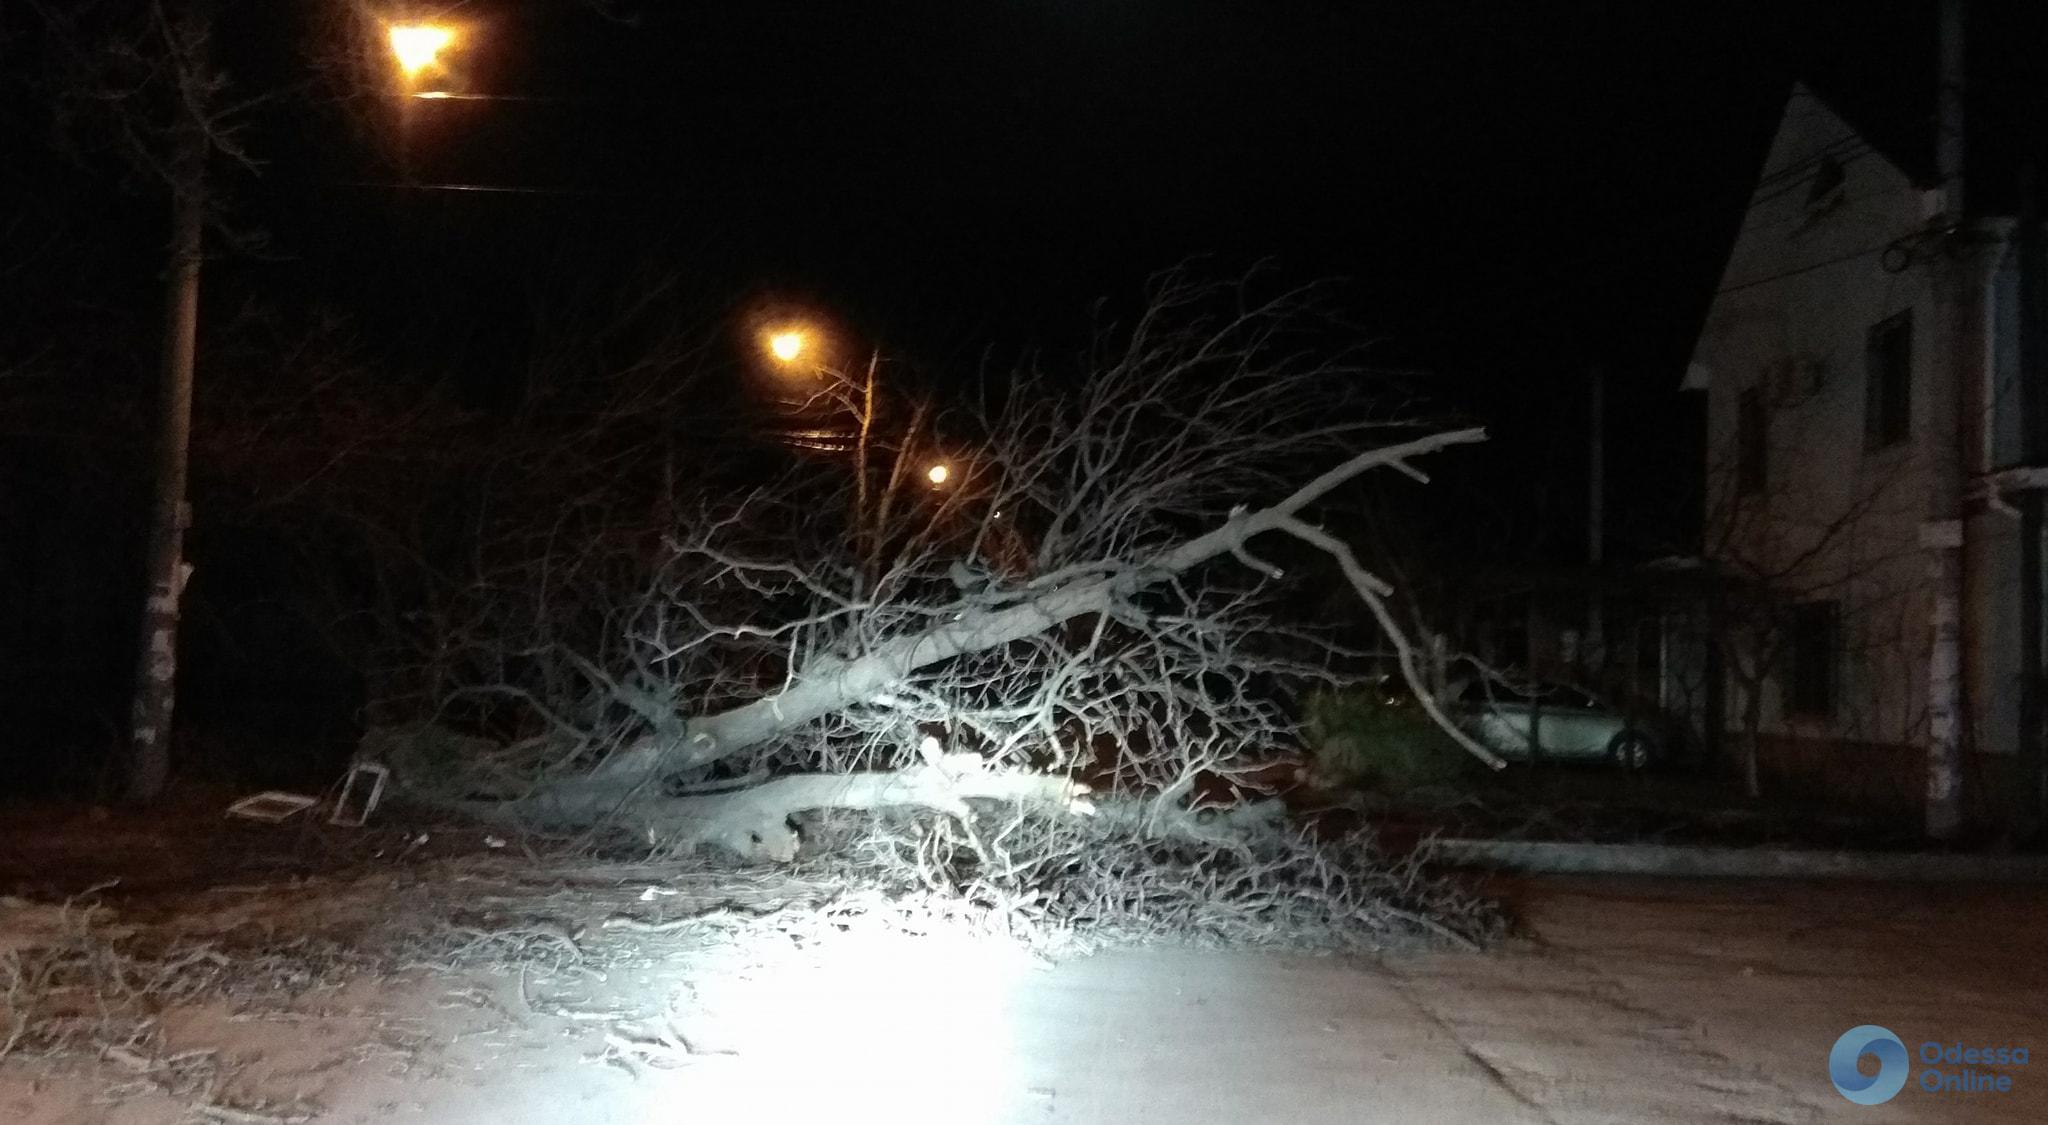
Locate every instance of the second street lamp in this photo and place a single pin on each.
(416, 48)
(788, 345)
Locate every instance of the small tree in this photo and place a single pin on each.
(1778, 540)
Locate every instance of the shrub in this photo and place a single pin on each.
(1364, 736)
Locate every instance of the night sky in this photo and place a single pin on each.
(956, 171)
(1507, 195)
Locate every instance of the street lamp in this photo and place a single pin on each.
(418, 46)
(938, 474)
(417, 49)
(788, 345)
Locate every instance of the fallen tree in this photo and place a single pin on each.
(833, 684)
(1075, 607)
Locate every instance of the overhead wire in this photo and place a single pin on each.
(1899, 244)
(1843, 160)
(1835, 149)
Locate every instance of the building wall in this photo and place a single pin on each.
(1811, 273)
(1832, 521)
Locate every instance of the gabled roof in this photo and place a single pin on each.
(1805, 174)
(1882, 85)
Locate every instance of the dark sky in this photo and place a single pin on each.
(1511, 192)
(1532, 170)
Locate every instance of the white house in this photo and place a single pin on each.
(1855, 339)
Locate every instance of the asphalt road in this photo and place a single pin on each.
(1624, 1001)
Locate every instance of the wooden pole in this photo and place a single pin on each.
(149, 751)
(1596, 530)
(1942, 534)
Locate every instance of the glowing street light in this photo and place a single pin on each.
(938, 473)
(787, 345)
(418, 46)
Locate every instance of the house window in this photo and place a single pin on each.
(1751, 444)
(1888, 394)
(1810, 652)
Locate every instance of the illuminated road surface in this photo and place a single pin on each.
(1628, 1002)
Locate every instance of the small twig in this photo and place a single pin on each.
(250, 1116)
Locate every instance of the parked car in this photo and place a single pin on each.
(1556, 722)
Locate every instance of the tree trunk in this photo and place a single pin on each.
(755, 822)
(149, 763)
(1752, 739)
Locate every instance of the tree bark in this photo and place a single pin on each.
(149, 757)
(755, 822)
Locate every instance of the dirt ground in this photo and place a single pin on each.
(543, 996)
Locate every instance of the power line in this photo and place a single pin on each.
(510, 189)
(1798, 220)
(535, 99)
(1832, 150)
(1809, 268)
(1757, 200)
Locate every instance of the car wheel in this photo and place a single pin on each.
(1632, 750)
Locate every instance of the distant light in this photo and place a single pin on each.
(786, 346)
(419, 45)
(434, 95)
(937, 474)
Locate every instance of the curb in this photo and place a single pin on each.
(1542, 858)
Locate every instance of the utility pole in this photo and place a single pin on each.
(1596, 527)
(149, 751)
(1942, 533)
